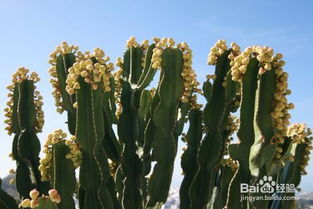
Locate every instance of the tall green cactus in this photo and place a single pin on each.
(25, 119)
(215, 112)
(125, 129)
(58, 166)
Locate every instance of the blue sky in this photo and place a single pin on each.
(31, 29)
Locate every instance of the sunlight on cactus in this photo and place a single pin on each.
(123, 130)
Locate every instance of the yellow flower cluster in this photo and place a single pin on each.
(231, 127)
(280, 114)
(235, 51)
(300, 134)
(54, 138)
(131, 42)
(34, 201)
(161, 44)
(93, 72)
(39, 112)
(217, 50)
(18, 77)
(144, 46)
(118, 86)
(239, 65)
(60, 50)
(188, 74)
(212, 76)
(22, 74)
(233, 164)
(278, 152)
(190, 78)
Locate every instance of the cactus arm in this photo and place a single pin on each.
(63, 63)
(245, 134)
(131, 164)
(112, 189)
(46, 203)
(227, 174)
(148, 78)
(132, 67)
(118, 178)
(212, 117)
(26, 145)
(184, 108)
(94, 171)
(188, 158)
(262, 152)
(110, 144)
(81, 197)
(109, 103)
(26, 108)
(15, 118)
(28, 148)
(143, 114)
(150, 128)
(62, 59)
(145, 103)
(295, 166)
(145, 77)
(63, 175)
(164, 119)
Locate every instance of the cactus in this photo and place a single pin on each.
(58, 166)
(124, 129)
(25, 119)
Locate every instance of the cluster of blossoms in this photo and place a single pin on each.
(233, 164)
(280, 113)
(190, 78)
(117, 75)
(231, 127)
(267, 61)
(131, 42)
(94, 68)
(144, 46)
(61, 50)
(34, 201)
(54, 138)
(161, 44)
(300, 134)
(217, 50)
(188, 74)
(18, 77)
(239, 65)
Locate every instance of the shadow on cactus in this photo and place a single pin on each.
(125, 128)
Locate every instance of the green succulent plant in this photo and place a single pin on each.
(125, 130)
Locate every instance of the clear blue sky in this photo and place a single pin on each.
(31, 29)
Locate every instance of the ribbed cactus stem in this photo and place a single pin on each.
(25, 119)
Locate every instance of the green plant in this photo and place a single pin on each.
(125, 130)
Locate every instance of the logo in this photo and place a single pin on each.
(267, 189)
(265, 185)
